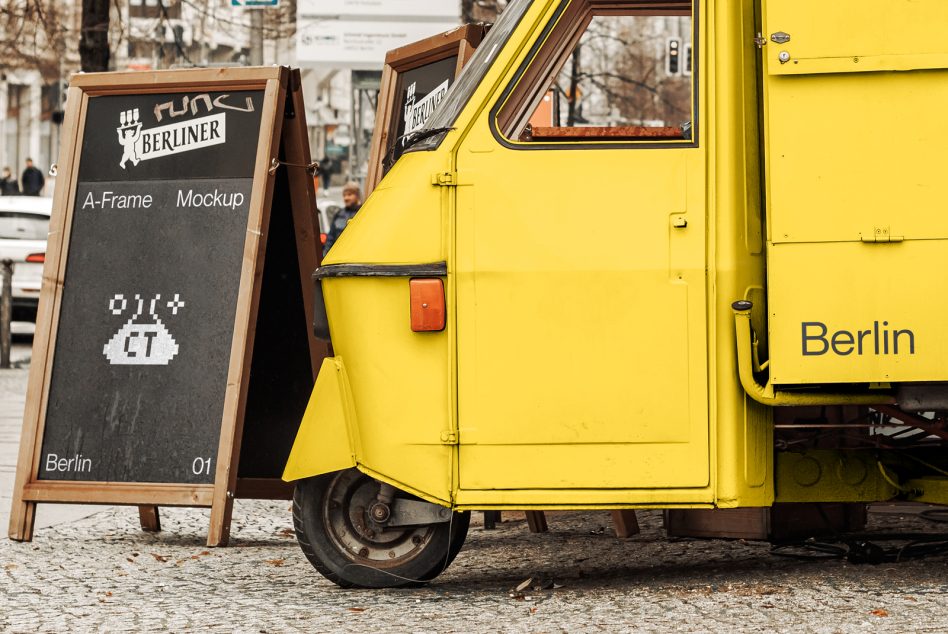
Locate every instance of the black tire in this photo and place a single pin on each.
(333, 531)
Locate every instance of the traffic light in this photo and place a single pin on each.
(673, 56)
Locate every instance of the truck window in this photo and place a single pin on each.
(607, 72)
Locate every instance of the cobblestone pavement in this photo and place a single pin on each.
(103, 573)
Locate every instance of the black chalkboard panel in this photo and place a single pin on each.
(281, 373)
(150, 288)
(418, 92)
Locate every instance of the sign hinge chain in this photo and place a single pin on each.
(449, 438)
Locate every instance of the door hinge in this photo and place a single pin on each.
(880, 234)
(449, 438)
(760, 40)
(445, 179)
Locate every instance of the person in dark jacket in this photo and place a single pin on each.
(352, 199)
(8, 184)
(32, 180)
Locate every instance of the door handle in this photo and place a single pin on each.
(678, 221)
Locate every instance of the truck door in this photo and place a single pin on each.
(580, 261)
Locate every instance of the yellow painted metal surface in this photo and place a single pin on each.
(842, 323)
(581, 347)
(856, 35)
(322, 443)
(398, 381)
(831, 476)
(855, 189)
(588, 360)
(931, 489)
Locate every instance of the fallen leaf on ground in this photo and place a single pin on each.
(130, 560)
(9, 566)
(275, 562)
(524, 585)
(356, 609)
(880, 612)
(161, 558)
(285, 532)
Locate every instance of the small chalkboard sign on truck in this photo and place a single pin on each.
(174, 315)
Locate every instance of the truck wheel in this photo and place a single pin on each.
(337, 535)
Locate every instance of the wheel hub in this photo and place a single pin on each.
(355, 518)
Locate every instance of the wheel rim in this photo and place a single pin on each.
(345, 514)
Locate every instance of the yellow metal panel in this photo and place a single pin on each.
(581, 320)
(397, 225)
(398, 382)
(850, 154)
(930, 489)
(742, 430)
(322, 443)
(583, 498)
(870, 294)
(856, 35)
(831, 476)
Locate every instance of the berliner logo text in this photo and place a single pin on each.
(183, 136)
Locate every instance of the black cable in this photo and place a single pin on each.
(861, 548)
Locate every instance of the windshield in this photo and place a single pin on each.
(16, 225)
(472, 74)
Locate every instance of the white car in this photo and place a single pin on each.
(24, 226)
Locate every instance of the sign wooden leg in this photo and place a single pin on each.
(536, 521)
(22, 518)
(148, 516)
(625, 523)
(219, 532)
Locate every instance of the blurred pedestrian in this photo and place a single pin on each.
(8, 184)
(32, 180)
(326, 168)
(352, 199)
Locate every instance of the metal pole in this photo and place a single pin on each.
(256, 37)
(6, 312)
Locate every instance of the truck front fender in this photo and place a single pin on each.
(325, 441)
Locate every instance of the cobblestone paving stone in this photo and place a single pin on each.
(102, 573)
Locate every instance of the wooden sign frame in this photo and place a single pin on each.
(282, 128)
(459, 42)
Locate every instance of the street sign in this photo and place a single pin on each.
(358, 43)
(255, 4)
(424, 9)
(169, 334)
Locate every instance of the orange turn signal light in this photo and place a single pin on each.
(427, 304)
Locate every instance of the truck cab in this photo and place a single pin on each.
(629, 235)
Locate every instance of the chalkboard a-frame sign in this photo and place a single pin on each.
(173, 321)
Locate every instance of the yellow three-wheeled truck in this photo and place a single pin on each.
(734, 208)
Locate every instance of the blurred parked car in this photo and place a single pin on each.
(328, 207)
(24, 226)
